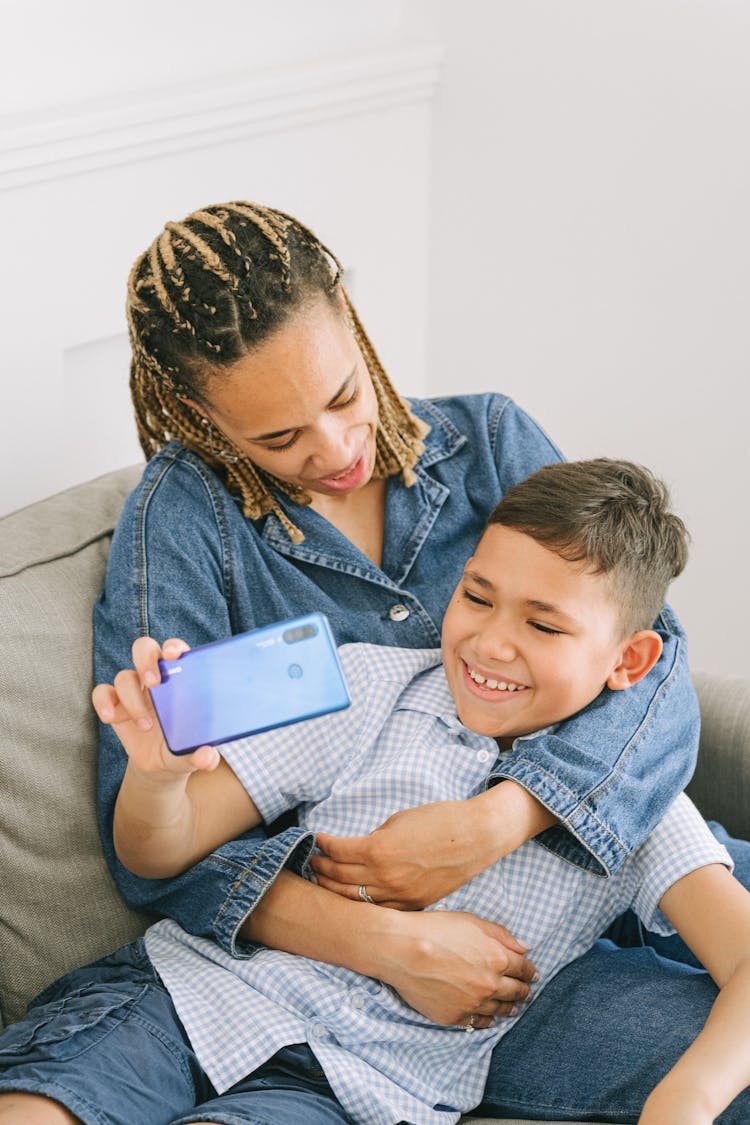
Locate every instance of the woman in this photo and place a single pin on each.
(286, 475)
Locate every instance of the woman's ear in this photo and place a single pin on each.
(191, 402)
(637, 658)
(340, 301)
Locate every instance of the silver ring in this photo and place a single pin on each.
(470, 1024)
(362, 892)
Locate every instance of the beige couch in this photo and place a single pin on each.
(58, 904)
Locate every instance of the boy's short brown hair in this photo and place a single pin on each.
(613, 515)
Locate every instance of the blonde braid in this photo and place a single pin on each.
(159, 388)
(400, 433)
(273, 224)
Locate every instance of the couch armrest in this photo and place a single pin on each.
(721, 785)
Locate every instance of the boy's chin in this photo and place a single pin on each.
(504, 738)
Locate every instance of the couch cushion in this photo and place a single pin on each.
(721, 783)
(58, 905)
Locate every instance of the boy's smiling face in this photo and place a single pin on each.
(528, 637)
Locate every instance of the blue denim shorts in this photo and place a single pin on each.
(105, 1041)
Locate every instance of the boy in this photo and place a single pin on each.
(553, 609)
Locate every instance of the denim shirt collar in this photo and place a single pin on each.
(410, 514)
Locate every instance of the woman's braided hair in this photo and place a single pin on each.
(205, 292)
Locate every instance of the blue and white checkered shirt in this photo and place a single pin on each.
(399, 745)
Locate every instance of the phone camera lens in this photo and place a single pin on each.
(301, 633)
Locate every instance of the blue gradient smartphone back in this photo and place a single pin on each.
(249, 683)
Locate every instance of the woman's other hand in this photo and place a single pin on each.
(420, 855)
(453, 966)
(447, 965)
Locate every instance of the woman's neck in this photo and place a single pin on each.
(360, 516)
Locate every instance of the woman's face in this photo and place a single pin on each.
(302, 405)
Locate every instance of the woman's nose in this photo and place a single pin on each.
(330, 447)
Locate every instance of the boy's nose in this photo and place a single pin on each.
(497, 646)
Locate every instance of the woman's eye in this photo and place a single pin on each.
(284, 445)
(347, 401)
(545, 629)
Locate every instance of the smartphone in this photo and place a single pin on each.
(250, 682)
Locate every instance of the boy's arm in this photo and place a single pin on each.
(711, 912)
(171, 810)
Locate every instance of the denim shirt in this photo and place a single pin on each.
(186, 563)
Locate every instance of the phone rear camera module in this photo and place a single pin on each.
(301, 633)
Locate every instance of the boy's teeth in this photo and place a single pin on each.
(494, 685)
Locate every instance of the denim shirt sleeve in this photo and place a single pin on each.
(141, 597)
(611, 772)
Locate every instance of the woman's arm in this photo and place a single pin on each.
(446, 965)
(591, 791)
(583, 788)
(711, 912)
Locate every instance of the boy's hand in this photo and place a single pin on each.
(126, 706)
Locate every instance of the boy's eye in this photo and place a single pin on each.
(473, 598)
(546, 629)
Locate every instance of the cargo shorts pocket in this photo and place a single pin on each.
(64, 1028)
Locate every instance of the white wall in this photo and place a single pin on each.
(572, 206)
(120, 123)
(53, 54)
(591, 251)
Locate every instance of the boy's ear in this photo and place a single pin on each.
(640, 653)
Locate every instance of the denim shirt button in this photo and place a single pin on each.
(398, 612)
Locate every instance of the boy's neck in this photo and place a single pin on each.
(504, 744)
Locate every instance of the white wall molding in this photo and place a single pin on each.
(47, 145)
